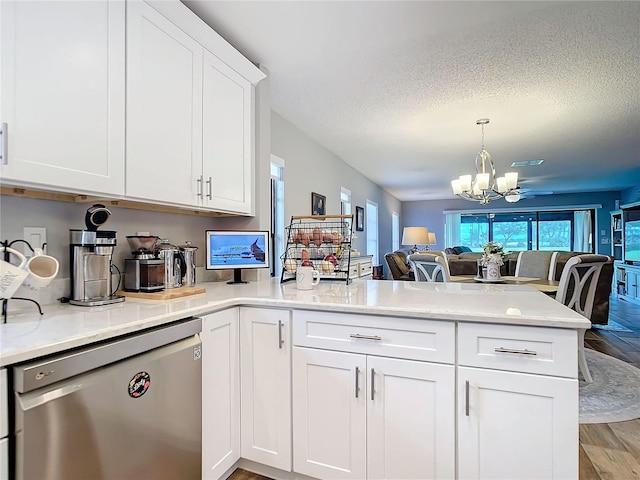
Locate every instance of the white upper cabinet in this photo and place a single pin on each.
(190, 113)
(164, 108)
(227, 144)
(62, 95)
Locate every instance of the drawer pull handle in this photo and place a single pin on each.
(357, 384)
(280, 339)
(200, 188)
(4, 131)
(373, 376)
(366, 337)
(466, 398)
(517, 352)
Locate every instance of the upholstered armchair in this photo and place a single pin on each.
(397, 263)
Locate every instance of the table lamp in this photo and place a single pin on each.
(415, 236)
(432, 239)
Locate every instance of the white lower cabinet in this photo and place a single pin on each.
(220, 393)
(4, 426)
(514, 425)
(266, 386)
(362, 416)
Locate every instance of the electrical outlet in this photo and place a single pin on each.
(36, 236)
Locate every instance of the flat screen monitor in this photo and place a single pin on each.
(237, 250)
(632, 241)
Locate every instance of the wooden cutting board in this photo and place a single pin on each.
(166, 294)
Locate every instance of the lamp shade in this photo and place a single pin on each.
(432, 238)
(415, 236)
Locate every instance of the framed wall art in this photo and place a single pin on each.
(359, 219)
(318, 203)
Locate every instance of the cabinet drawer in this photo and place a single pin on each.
(354, 270)
(429, 340)
(547, 351)
(366, 268)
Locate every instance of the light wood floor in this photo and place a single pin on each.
(608, 451)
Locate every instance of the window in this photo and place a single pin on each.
(395, 231)
(277, 214)
(371, 221)
(564, 230)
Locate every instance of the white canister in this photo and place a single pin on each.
(493, 271)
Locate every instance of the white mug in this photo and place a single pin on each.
(42, 270)
(12, 276)
(306, 278)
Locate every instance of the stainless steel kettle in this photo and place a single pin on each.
(189, 256)
(174, 265)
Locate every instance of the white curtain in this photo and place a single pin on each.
(582, 231)
(451, 229)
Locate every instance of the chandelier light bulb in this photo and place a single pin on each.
(482, 181)
(501, 182)
(465, 183)
(455, 185)
(512, 180)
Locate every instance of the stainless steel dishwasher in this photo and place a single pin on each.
(125, 409)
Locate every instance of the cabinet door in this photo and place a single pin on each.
(633, 289)
(515, 425)
(220, 393)
(164, 109)
(410, 419)
(62, 94)
(227, 137)
(329, 414)
(265, 359)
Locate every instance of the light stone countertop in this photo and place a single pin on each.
(28, 335)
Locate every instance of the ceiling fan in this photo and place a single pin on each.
(519, 193)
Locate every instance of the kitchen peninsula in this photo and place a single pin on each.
(483, 375)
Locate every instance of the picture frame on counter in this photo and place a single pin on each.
(318, 204)
(359, 219)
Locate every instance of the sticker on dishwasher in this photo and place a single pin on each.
(139, 384)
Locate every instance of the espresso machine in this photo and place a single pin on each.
(91, 252)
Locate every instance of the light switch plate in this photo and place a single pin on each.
(36, 236)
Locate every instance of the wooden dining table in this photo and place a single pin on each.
(550, 287)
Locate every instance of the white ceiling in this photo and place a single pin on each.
(394, 88)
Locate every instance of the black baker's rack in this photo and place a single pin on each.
(6, 244)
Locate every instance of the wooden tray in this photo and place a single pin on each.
(166, 294)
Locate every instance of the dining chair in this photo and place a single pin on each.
(430, 267)
(577, 290)
(534, 263)
(397, 266)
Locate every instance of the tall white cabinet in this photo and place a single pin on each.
(220, 392)
(62, 98)
(265, 357)
(190, 119)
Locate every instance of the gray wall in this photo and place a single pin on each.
(309, 167)
(430, 213)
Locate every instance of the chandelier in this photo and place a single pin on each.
(486, 186)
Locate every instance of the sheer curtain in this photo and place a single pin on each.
(582, 231)
(451, 229)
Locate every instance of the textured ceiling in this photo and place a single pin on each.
(395, 88)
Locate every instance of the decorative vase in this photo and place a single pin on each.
(493, 271)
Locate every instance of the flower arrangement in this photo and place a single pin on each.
(493, 252)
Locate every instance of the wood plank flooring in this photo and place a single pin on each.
(608, 451)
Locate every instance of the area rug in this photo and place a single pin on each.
(611, 326)
(614, 395)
